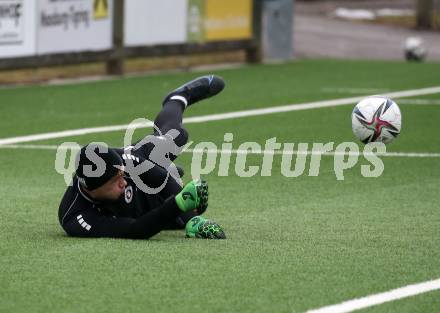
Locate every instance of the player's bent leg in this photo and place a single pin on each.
(169, 134)
(169, 119)
(168, 122)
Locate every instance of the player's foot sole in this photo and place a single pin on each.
(196, 90)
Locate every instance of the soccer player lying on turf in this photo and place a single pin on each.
(113, 205)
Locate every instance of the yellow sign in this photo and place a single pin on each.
(100, 9)
(228, 19)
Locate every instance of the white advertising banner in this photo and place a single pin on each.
(150, 22)
(74, 25)
(17, 28)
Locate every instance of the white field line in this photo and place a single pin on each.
(221, 116)
(261, 152)
(368, 301)
(419, 101)
(69, 133)
(37, 147)
(297, 152)
(377, 91)
(354, 90)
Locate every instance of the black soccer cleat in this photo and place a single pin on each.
(196, 90)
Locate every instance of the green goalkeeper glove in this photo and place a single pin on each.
(200, 227)
(194, 196)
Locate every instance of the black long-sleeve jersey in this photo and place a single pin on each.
(134, 215)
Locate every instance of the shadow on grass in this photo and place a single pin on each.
(164, 236)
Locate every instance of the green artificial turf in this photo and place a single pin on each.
(293, 243)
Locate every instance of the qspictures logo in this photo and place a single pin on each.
(208, 158)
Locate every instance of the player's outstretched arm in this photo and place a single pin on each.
(91, 223)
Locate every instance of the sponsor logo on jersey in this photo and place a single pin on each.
(128, 194)
(127, 156)
(83, 223)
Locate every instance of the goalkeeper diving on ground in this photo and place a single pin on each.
(109, 198)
